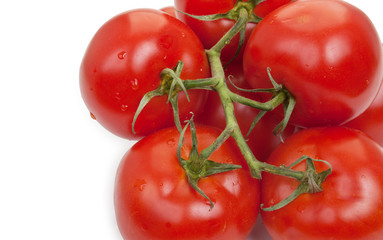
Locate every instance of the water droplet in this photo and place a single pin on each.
(166, 41)
(117, 96)
(171, 142)
(124, 107)
(183, 34)
(122, 55)
(134, 84)
(140, 184)
(301, 209)
(92, 116)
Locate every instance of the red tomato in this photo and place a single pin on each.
(261, 140)
(124, 61)
(210, 32)
(350, 205)
(327, 53)
(153, 199)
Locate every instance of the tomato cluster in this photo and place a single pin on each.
(314, 67)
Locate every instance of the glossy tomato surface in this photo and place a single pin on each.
(153, 199)
(169, 10)
(350, 205)
(123, 62)
(267, 6)
(371, 121)
(327, 53)
(261, 140)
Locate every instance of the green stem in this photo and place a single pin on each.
(240, 24)
(227, 98)
(201, 83)
(270, 105)
(217, 143)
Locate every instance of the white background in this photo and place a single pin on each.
(57, 165)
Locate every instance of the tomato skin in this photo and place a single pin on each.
(153, 199)
(261, 140)
(371, 121)
(326, 53)
(350, 205)
(266, 7)
(169, 10)
(123, 62)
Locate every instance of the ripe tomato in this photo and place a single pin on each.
(153, 199)
(326, 53)
(124, 61)
(350, 205)
(261, 140)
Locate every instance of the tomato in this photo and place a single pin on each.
(123, 62)
(153, 199)
(350, 205)
(261, 140)
(210, 32)
(327, 53)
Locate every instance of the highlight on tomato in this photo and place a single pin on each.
(326, 53)
(123, 62)
(350, 204)
(153, 199)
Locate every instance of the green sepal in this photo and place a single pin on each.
(310, 182)
(288, 107)
(240, 45)
(212, 167)
(255, 121)
(144, 101)
(197, 167)
(211, 17)
(171, 84)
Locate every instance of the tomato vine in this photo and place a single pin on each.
(171, 84)
(160, 72)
